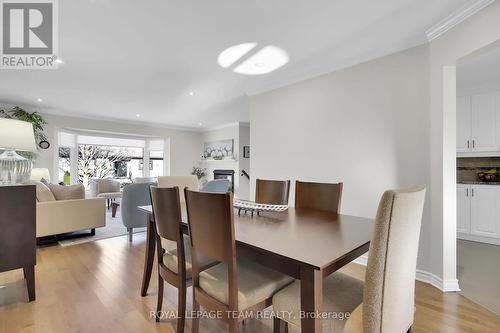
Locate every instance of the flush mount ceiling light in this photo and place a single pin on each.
(248, 59)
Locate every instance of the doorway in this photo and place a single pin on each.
(478, 177)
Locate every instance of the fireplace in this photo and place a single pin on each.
(225, 174)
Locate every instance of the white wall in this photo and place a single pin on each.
(367, 126)
(244, 163)
(184, 145)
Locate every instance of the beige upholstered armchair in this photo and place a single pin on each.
(385, 303)
(106, 188)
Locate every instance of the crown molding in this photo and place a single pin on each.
(455, 18)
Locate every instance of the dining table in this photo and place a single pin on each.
(305, 244)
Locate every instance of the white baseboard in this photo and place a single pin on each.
(423, 276)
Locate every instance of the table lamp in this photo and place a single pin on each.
(40, 173)
(15, 135)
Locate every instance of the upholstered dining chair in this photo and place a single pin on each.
(174, 249)
(217, 186)
(319, 196)
(387, 297)
(190, 182)
(233, 284)
(273, 192)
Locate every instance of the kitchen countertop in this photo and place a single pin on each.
(477, 182)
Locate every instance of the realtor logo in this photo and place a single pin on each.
(28, 34)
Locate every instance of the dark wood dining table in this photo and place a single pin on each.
(307, 245)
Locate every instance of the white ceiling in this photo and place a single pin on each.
(128, 57)
(480, 73)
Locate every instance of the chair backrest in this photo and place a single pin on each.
(135, 195)
(217, 186)
(145, 180)
(190, 182)
(211, 224)
(167, 212)
(274, 192)
(211, 227)
(318, 196)
(104, 185)
(388, 304)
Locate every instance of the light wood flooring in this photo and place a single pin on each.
(95, 287)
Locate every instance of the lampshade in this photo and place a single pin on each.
(16, 135)
(39, 173)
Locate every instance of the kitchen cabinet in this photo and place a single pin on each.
(463, 124)
(478, 213)
(478, 126)
(463, 208)
(483, 123)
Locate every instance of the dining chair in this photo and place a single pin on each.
(233, 284)
(273, 192)
(318, 196)
(385, 303)
(189, 181)
(174, 259)
(217, 185)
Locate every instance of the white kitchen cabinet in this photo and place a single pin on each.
(485, 212)
(478, 213)
(463, 124)
(483, 123)
(463, 208)
(478, 124)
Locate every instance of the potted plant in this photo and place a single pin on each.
(34, 118)
(200, 173)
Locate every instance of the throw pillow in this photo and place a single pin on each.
(43, 193)
(68, 192)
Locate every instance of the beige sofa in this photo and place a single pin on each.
(58, 217)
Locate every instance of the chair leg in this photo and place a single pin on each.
(181, 307)
(160, 298)
(130, 234)
(29, 275)
(233, 326)
(280, 326)
(195, 326)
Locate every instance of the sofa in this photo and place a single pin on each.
(56, 215)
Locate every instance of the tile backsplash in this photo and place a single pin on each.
(468, 167)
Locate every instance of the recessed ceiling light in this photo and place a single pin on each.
(59, 61)
(232, 54)
(138, 115)
(200, 124)
(39, 100)
(271, 57)
(191, 93)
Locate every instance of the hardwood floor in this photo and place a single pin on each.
(95, 287)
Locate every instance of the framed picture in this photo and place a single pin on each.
(218, 150)
(246, 151)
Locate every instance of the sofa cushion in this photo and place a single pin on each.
(43, 193)
(68, 192)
